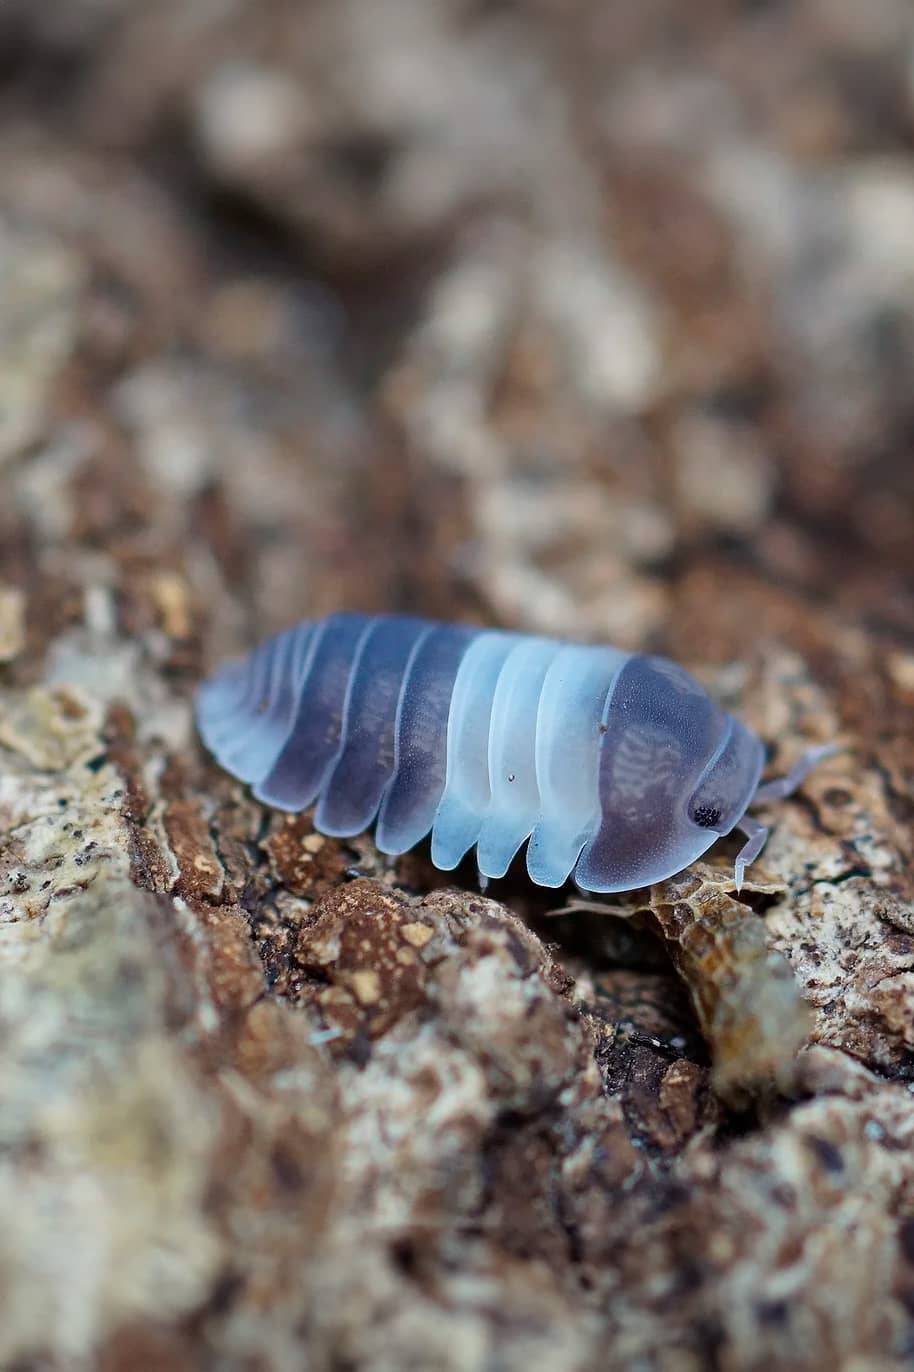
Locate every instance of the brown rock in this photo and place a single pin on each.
(584, 319)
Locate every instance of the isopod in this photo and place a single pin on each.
(617, 768)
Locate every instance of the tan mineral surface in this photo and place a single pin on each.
(577, 318)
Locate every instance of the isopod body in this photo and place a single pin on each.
(618, 767)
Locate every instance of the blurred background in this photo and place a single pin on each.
(561, 315)
(585, 318)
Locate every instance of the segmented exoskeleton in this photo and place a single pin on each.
(618, 768)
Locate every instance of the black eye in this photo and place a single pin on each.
(706, 816)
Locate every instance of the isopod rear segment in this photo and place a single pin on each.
(617, 768)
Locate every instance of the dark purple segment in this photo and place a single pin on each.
(410, 801)
(353, 790)
(662, 729)
(314, 739)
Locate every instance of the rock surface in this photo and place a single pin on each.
(544, 315)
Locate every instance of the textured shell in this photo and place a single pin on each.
(617, 767)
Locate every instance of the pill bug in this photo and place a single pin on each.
(617, 768)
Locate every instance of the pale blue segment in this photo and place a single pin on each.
(232, 692)
(221, 697)
(466, 790)
(515, 805)
(568, 739)
(237, 713)
(244, 741)
(254, 754)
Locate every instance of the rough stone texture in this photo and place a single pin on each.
(573, 317)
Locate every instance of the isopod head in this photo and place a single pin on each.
(676, 772)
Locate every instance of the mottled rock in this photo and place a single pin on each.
(12, 622)
(40, 280)
(582, 319)
(745, 995)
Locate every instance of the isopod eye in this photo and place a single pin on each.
(729, 783)
(705, 816)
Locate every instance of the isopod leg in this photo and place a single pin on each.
(757, 837)
(576, 906)
(785, 786)
(592, 902)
